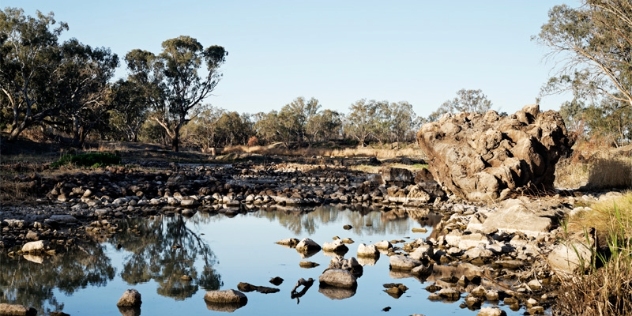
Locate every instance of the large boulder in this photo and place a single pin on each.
(484, 157)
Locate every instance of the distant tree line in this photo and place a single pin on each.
(66, 90)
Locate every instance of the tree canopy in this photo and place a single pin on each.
(592, 45)
(174, 82)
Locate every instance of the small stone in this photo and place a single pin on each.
(130, 298)
(491, 311)
(420, 230)
(308, 264)
(226, 297)
(276, 281)
(535, 310)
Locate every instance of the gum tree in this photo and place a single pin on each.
(591, 45)
(29, 58)
(177, 81)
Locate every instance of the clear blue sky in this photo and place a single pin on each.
(336, 51)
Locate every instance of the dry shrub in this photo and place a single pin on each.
(570, 174)
(606, 290)
(606, 173)
(253, 141)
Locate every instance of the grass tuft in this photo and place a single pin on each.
(607, 288)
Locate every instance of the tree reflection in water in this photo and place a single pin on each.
(164, 250)
(32, 284)
(364, 222)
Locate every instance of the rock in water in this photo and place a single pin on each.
(368, 251)
(130, 298)
(338, 278)
(307, 245)
(483, 157)
(226, 297)
(33, 247)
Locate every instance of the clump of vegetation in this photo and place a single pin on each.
(607, 288)
(89, 159)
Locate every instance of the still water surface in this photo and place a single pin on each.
(218, 252)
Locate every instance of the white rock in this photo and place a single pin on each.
(367, 251)
(33, 246)
(491, 311)
(422, 252)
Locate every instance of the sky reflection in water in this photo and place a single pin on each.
(217, 253)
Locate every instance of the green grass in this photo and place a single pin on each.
(607, 287)
(89, 159)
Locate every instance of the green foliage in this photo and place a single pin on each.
(608, 121)
(592, 44)
(173, 83)
(215, 127)
(42, 81)
(472, 101)
(89, 159)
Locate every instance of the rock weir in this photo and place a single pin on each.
(485, 157)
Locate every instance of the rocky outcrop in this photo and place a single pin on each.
(484, 157)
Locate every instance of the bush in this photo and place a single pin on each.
(91, 159)
(607, 288)
(253, 141)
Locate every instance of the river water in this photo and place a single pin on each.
(218, 252)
